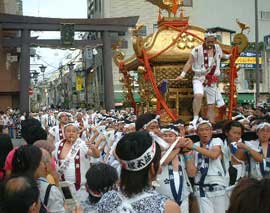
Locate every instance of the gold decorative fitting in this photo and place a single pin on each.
(181, 45)
(190, 38)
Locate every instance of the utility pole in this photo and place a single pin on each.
(257, 54)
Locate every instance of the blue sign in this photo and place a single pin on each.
(249, 66)
(250, 53)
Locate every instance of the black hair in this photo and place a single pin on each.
(32, 131)
(96, 183)
(130, 147)
(252, 197)
(5, 147)
(228, 126)
(179, 121)
(34, 134)
(18, 194)
(26, 160)
(144, 119)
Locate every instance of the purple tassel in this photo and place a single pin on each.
(163, 87)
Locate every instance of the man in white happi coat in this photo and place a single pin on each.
(205, 63)
(173, 180)
(210, 180)
(73, 159)
(57, 132)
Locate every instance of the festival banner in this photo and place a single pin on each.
(79, 83)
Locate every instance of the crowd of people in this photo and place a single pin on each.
(115, 161)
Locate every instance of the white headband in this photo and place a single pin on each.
(141, 162)
(71, 124)
(131, 125)
(60, 114)
(262, 125)
(151, 121)
(169, 130)
(238, 116)
(159, 140)
(210, 34)
(204, 122)
(177, 125)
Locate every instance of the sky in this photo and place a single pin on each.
(53, 9)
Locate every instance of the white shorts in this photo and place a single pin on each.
(212, 93)
(198, 87)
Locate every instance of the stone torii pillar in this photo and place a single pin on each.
(108, 75)
(25, 71)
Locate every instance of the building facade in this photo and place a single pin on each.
(9, 65)
(206, 14)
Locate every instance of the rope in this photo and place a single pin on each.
(130, 93)
(232, 76)
(151, 77)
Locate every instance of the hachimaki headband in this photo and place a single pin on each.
(146, 158)
(210, 34)
(262, 125)
(163, 130)
(201, 122)
(151, 121)
(71, 124)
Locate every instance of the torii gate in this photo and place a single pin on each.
(26, 24)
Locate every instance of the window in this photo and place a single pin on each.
(250, 75)
(143, 31)
(124, 44)
(188, 3)
(96, 5)
(121, 33)
(265, 15)
(219, 38)
(155, 27)
(99, 6)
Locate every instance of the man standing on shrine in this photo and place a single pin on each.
(205, 63)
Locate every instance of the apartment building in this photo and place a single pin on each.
(9, 65)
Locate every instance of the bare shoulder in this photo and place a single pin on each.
(171, 207)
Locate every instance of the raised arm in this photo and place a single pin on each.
(186, 68)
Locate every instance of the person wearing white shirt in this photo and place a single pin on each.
(173, 180)
(50, 195)
(210, 179)
(260, 164)
(204, 61)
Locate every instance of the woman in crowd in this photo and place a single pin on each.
(139, 156)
